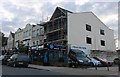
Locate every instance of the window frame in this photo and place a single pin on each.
(88, 27)
(88, 40)
(102, 32)
(102, 42)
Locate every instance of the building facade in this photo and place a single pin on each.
(18, 37)
(88, 32)
(81, 30)
(37, 35)
(56, 28)
(11, 41)
(27, 35)
(1, 34)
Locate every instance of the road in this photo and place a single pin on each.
(56, 71)
(7, 70)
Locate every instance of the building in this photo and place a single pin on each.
(84, 31)
(27, 35)
(91, 35)
(18, 37)
(56, 28)
(1, 35)
(37, 35)
(11, 41)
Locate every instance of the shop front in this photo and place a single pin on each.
(37, 55)
(53, 56)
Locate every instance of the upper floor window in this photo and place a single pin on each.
(37, 43)
(37, 31)
(33, 43)
(102, 43)
(88, 27)
(30, 32)
(88, 40)
(102, 32)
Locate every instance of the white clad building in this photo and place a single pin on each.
(11, 41)
(18, 37)
(90, 34)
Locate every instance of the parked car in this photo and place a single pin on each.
(18, 60)
(78, 58)
(1, 57)
(116, 60)
(5, 59)
(104, 62)
(94, 62)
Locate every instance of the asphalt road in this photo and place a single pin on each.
(7, 70)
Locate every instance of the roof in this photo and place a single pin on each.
(59, 11)
(13, 34)
(64, 10)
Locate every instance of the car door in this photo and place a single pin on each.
(12, 59)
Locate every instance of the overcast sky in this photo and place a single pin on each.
(16, 14)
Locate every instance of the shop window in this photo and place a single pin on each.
(88, 40)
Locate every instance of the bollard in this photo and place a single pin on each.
(95, 67)
(108, 68)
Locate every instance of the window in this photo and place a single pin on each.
(33, 43)
(37, 42)
(37, 32)
(33, 33)
(88, 40)
(102, 43)
(30, 32)
(88, 27)
(102, 32)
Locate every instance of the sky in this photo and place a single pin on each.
(16, 14)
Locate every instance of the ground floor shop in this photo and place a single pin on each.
(45, 56)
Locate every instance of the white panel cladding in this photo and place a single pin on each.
(77, 32)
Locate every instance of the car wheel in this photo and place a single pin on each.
(7, 64)
(91, 64)
(14, 65)
(70, 65)
(26, 66)
(74, 66)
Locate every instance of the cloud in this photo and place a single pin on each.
(17, 13)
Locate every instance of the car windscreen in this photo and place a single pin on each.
(81, 54)
(22, 58)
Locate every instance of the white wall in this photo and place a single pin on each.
(77, 32)
(37, 35)
(18, 36)
(27, 34)
(10, 42)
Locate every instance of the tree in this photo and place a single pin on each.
(22, 48)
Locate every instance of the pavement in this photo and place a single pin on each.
(79, 71)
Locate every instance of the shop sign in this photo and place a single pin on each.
(78, 47)
(51, 46)
(37, 47)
